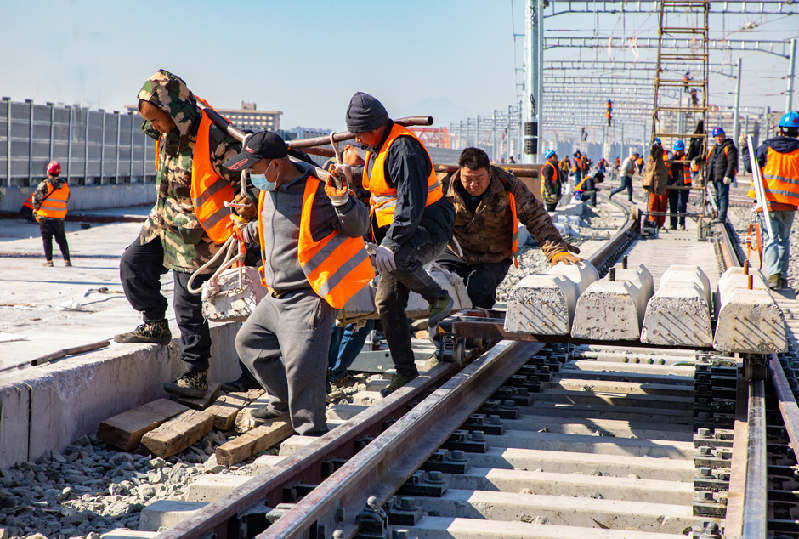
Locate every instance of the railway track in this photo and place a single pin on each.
(546, 440)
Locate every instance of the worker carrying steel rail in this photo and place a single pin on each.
(185, 228)
(411, 223)
(50, 209)
(489, 205)
(721, 162)
(679, 174)
(778, 159)
(314, 260)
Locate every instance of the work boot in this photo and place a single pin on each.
(192, 384)
(397, 381)
(672, 227)
(439, 310)
(774, 281)
(68, 263)
(269, 413)
(48, 264)
(431, 362)
(241, 385)
(156, 332)
(341, 383)
(716, 221)
(682, 227)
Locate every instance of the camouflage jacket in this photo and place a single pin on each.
(186, 245)
(485, 236)
(42, 190)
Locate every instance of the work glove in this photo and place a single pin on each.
(384, 259)
(743, 144)
(727, 180)
(566, 258)
(338, 197)
(249, 212)
(239, 225)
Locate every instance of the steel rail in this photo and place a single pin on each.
(388, 461)
(755, 508)
(787, 402)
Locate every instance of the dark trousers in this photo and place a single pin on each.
(345, 345)
(626, 183)
(140, 270)
(481, 280)
(393, 289)
(721, 195)
(551, 206)
(589, 195)
(678, 203)
(53, 228)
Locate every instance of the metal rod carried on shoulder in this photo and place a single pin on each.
(408, 121)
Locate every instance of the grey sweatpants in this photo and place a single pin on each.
(296, 326)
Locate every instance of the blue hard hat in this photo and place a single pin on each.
(678, 146)
(718, 131)
(549, 153)
(790, 120)
(656, 140)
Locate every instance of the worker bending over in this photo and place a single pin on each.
(778, 159)
(49, 202)
(185, 228)
(489, 204)
(314, 260)
(411, 223)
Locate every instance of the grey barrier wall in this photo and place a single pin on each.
(105, 153)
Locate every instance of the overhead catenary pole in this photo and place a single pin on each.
(494, 141)
(736, 122)
(791, 75)
(532, 72)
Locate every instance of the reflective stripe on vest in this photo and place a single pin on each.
(780, 177)
(384, 198)
(209, 190)
(336, 266)
(55, 205)
(28, 202)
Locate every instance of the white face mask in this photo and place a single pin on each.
(260, 181)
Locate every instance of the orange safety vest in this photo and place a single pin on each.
(686, 171)
(336, 266)
(54, 205)
(514, 222)
(28, 202)
(209, 190)
(555, 178)
(780, 177)
(384, 198)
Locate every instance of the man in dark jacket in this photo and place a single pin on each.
(482, 243)
(411, 224)
(720, 166)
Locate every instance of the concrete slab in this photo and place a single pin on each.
(467, 528)
(166, 513)
(208, 487)
(568, 462)
(295, 443)
(628, 387)
(614, 310)
(748, 321)
(679, 313)
(264, 462)
(638, 401)
(627, 413)
(558, 484)
(562, 510)
(605, 427)
(544, 304)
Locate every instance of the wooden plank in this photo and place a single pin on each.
(125, 431)
(226, 408)
(201, 403)
(244, 420)
(179, 433)
(253, 442)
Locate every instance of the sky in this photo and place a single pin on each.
(452, 59)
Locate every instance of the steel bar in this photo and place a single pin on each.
(756, 492)
(611, 7)
(341, 137)
(787, 403)
(779, 48)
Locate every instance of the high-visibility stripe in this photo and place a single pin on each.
(54, 204)
(210, 191)
(341, 273)
(780, 178)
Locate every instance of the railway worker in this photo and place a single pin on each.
(778, 159)
(411, 223)
(721, 163)
(659, 203)
(577, 168)
(489, 203)
(640, 163)
(185, 228)
(626, 170)
(314, 260)
(586, 189)
(551, 189)
(565, 169)
(50, 208)
(27, 209)
(679, 174)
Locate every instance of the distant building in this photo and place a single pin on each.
(247, 117)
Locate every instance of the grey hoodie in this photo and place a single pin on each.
(281, 216)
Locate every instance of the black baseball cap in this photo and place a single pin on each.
(261, 145)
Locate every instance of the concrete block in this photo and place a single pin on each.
(679, 313)
(639, 275)
(263, 463)
(295, 443)
(124, 533)
(748, 321)
(207, 488)
(544, 304)
(612, 310)
(14, 423)
(166, 513)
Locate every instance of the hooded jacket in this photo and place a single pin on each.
(721, 164)
(779, 144)
(172, 219)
